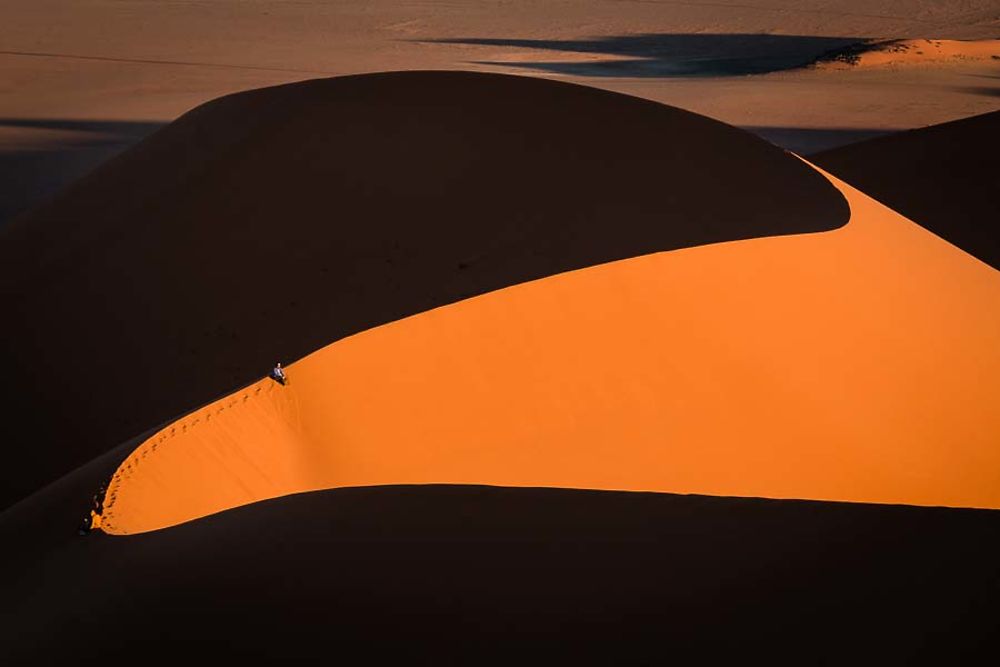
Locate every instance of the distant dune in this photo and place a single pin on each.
(945, 177)
(112, 73)
(909, 52)
(268, 224)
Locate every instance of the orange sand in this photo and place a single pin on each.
(922, 51)
(861, 364)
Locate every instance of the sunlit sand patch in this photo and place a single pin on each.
(905, 52)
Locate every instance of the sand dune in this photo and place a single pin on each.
(832, 361)
(910, 52)
(944, 177)
(268, 224)
(860, 364)
(92, 62)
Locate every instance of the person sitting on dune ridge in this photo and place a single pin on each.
(278, 374)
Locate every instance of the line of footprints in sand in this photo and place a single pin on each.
(105, 517)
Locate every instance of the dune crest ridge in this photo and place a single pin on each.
(942, 177)
(859, 364)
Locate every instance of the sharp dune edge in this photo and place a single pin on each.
(942, 177)
(861, 364)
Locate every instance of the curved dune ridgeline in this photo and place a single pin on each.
(268, 224)
(944, 177)
(861, 364)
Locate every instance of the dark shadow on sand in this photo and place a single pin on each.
(54, 153)
(806, 140)
(985, 91)
(486, 575)
(664, 55)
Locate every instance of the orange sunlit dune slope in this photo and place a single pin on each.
(861, 364)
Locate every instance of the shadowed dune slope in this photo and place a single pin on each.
(267, 224)
(481, 575)
(945, 177)
(861, 364)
